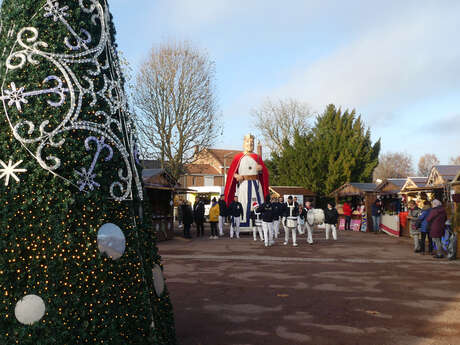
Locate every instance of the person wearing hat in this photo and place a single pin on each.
(266, 209)
(213, 218)
(436, 220)
(331, 217)
(256, 222)
(222, 214)
(291, 222)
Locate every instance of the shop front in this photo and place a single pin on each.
(393, 216)
(360, 196)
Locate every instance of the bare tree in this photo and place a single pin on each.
(175, 104)
(426, 162)
(279, 120)
(393, 165)
(454, 161)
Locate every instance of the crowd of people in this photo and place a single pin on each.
(267, 219)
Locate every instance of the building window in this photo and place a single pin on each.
(209, 180)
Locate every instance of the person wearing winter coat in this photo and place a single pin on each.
(235, 211)
(347, 211)
(436, 220)
(331, 218)
(278, 211)
(198, 213)
(222, 214)
(214, 218)
(376, 211)
(412, 216)
(423, 227)
(266, 209)
(187, 218)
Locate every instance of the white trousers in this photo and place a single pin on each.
(276, 228)
(330, 227)
(309, 229)
(255, 230)
(268, 233)
(235, 228)
(286, 235)
(221, 225)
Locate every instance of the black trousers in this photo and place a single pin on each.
(347, 222)
(422, 242)
(213, 228)
(187, 230)
(199, 229)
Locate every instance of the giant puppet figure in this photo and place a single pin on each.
(247, 178)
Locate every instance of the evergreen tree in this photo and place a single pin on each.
(78, 261)
(337, 150)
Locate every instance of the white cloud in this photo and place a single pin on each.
(415, 55)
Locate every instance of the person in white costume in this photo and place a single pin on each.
(256, 222)
(291, 222)
(266, 209)
(278, 213)
(308, 226)
(235, 210)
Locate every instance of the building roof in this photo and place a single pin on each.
(448, 172)
(201, 169)
(354, 188)
(151, 163)
(419, 181)
(220, 154)
(295, 190)
(148, 173)
(398, 184)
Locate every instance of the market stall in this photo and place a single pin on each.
(392, 204)
(159, 186)
(455, 192)
(356, 194)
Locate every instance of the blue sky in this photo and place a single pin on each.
(396, 62)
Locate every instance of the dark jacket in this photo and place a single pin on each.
(278, 210)
(295, 211)
(198, 212)
(436, 220)
(303, 214)
(187, 214)
(376, 210)
(235, 209)
(267, 212)
(331, 216)
(222, 208)
(422, 220)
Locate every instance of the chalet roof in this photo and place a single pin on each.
(295, 190)
(201, 169)
(148, 173)
(357, 186)
(397, 182)
(447, 171)
(419, 181)
(456, 180)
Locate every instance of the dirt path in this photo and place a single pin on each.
(362, 289)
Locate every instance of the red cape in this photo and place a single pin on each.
(230, 185)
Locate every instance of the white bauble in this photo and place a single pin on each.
(29, 309)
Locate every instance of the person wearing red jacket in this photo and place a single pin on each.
(347, 213)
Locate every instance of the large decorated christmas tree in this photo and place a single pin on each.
(78, 261)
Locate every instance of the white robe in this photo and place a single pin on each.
(248, 190)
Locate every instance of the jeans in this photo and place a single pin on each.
(347, 222)
(376, 223)
(423, 240)
(187, 230)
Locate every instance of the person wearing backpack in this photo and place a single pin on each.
(436, 220)
(422, 224)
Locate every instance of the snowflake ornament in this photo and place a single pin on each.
(10, 170)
